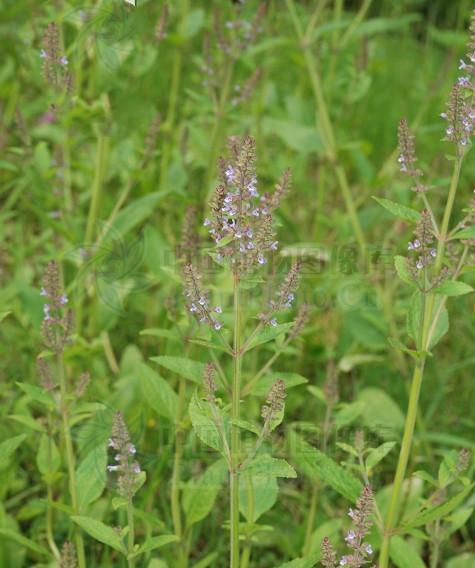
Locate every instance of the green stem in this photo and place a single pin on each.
(70, 459)
(131, 533)
(99, 174)
(424, 346)
(235, 433)
(246, 553)
(49, 509)
(310, 520)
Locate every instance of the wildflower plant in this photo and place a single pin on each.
(438, 256)
(241, 225)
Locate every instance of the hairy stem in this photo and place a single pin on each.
(131, 533)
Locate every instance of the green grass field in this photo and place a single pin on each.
(236, 308)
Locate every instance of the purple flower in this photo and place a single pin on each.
(217, 325)
(63, 60)
(113, 468)
(344, 561)
(350, 536)
(230, 175)
(273, 322)
(368, 548)
(218, 310)
(63, 299)
(43, 292)
(463, 81)
(261, 259)
(207, 222)
(43, 54)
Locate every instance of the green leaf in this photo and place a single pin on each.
(348, 413)
(398, 210)
(47, 457)
(403, 554)
(270, 467)
(187, 368)
(453, 288)
(268, 334)
(298, 137)
(257, 494)
(135, 213)
(466, 560)
(381, 413)
(264, 385)
(194, 22)
(100, 532)
(400, 262)
(468, 233)
(28, 421)
(38, 394)
(91, 476)
(246, 425)
(157, 392)
(154, 542)
(316, 464)
(298, 563)
(200, 495)
(23, 541)
(7, 447)
(376, 455)
(437, 512)
(203, 423)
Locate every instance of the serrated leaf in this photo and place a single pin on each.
(379, 453)
(316, 464)
(200, 495)
(246, 425)
(264, 385)
(38, 394)
(203, 423)
(187, 368)
(398, 210)
(157, 392)
(101, 532)
(381, 413)
(453, 288)
(257, 494)
(268, 466)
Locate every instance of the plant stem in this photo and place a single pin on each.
(70, 459)
(427, 315)
(235, 433)
(49, 492)
(131, 533)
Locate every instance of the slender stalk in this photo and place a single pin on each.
(235, 433)
(70, 459)
(246, 553)
(427, 317)
(131, 533)
(169, 125)
(49, 492)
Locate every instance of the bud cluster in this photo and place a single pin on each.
(54, 62)
(189, 242)
(424, 253)
(68, 556)
(197, 298)
(209, 382)
(125, 465)
(407, 156)
(275, 401)
(57, 323)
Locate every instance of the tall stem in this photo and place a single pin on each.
(131, 533)
(70, 459)
(427, 316)
(235, 434)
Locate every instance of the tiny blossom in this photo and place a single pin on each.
(218, 309)
(43, 54)
(63, 299)
(127, 468)
(63, 60)
(197, 298)
(273, 322)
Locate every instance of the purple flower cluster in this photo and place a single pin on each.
(460, 113)
(197, 299)
(241, 218)
(285, 295)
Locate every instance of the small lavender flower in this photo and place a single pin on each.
(197, 298)
(127, 467)
(407, 156)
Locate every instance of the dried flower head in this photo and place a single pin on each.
(161, 27)
(407, 156)
(303, 316)
(46, 376)
(68, 556)
(81, 385)
(331, 387)
(57, 323)
(152, 135)
(126, 465)
(463, 460)
(275, 401)
(209, 382)
(197, 298)
(189, 242)
(421, 247)
(55, 63)
(241, 219)
(329, 559)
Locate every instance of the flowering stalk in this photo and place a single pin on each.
(56, 331)
(460, 115)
